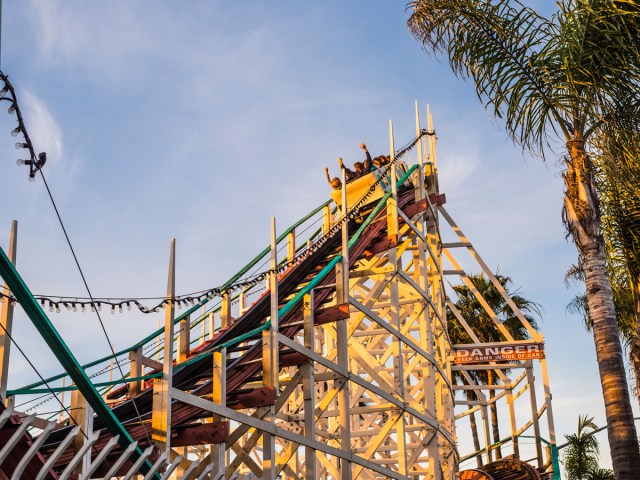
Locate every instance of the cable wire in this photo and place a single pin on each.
(42, 379)
(84, 280)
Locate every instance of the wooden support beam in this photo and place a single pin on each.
(135, 371)
(219, 396)
(309, 388)
(331, 314)
(270, 364)
(534, 414)
(184, 339)
(162, 387)
(82, 415)
(6, 318)
(342, 346)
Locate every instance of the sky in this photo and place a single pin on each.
(200, 120)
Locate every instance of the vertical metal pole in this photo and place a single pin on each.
(270, 369)
(534, 413)
(6, 318)
(161, 416)
(309, 390)
(342, 343)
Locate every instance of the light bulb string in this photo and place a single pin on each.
(35, 162)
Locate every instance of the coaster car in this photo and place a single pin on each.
(376, 181)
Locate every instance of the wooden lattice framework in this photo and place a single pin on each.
(370, 394)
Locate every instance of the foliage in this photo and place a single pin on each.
(480, 321)
(573, 77)
(580, 458)
(601, 474)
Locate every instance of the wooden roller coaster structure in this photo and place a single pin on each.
(333, 361)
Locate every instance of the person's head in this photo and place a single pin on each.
(377, 161)
(336, 184)
(358, 166)
(367, 165)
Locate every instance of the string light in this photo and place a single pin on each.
(35, 162)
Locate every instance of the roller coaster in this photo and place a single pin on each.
(327, 356)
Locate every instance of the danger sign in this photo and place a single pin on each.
(497, 353)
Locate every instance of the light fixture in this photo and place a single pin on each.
(16, 131)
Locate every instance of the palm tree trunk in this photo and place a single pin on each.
(474, 430)
(634, 350)
(583, 221)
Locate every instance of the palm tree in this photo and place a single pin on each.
(581, 455)
(485, 329)
(617, 175)
(566, 78)
(601, 474)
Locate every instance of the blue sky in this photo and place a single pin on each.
(201, 120)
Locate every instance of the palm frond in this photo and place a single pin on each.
(500, 47)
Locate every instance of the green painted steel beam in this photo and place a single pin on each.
(59, 348)
(70, 388)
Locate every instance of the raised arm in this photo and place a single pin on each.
(326, 171)
(366, 152)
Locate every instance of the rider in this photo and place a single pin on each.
(335, 182)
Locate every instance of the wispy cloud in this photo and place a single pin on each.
(104, 41)
(42, 126)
